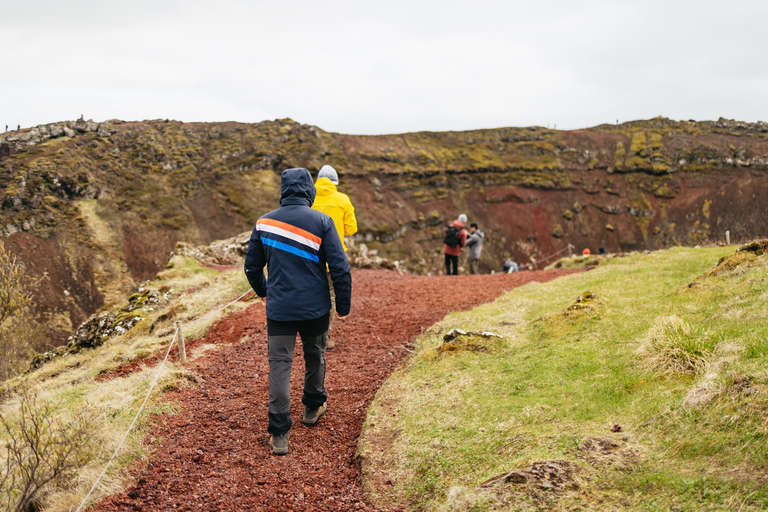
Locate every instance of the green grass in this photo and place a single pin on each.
(693, 436)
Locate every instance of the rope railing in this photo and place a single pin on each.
(151, 387)
(569, 246)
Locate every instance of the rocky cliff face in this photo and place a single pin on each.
(98, 207)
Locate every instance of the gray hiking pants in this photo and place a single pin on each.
(281, 338)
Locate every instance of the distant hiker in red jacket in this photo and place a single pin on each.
(454, 239)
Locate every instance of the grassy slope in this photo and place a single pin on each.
(449, 421)
(190, 293)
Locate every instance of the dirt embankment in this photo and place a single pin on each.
(213, 453)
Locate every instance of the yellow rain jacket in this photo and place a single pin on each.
(337, 206)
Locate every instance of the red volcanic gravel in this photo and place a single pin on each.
(213, 453)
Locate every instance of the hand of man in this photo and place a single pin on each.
(341, 317)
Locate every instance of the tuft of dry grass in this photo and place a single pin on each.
(673, 346)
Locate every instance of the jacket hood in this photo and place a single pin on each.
(478, 233)
(296, 187)
(458, 224)
(325, 187)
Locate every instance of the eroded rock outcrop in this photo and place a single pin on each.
(22, 140)
(99, 328)
(126, 192)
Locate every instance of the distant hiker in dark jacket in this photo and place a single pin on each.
(296, 242)
(510, 266)
(475, 247)
(452, 251)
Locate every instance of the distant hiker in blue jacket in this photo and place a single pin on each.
(296, 242)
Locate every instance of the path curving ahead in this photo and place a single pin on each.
(213, 453)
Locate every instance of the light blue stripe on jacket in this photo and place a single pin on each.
(289, 248)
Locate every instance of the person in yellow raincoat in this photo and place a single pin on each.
(339, 208)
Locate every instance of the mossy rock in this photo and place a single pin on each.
(139, 298)
(457, 340)
(567, 214)
(583, 300)
(586, 303)
(746, 255)
(43, 358)
(129, 318)
(557, 231)
(757, 247)
(142, 300)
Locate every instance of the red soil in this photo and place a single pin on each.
(213, 454)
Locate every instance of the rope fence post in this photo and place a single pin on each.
(728, 237)
(177, 336)
(182, 347)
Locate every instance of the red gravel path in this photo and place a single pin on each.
(213, 453)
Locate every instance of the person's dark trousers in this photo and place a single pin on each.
(451, 261)
(473, 266)
(281, 338)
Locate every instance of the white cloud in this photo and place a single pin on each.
(355, 67)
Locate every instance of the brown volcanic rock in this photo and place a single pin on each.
(657, 182)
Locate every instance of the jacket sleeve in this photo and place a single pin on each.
(338, 266)
(350, 222)
(255, 259)
(472, 240)
(462, 238)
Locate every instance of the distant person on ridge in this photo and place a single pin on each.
(475, 245)
(338, 207)
(454, 238)
(296, 243)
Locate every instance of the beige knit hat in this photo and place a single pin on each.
(329, 172)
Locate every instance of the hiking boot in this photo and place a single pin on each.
(330, 345)
(279, 444)
(311, 416)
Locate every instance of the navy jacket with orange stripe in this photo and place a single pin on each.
(295, 242)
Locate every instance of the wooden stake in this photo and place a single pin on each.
(727, 238)
(182, 348)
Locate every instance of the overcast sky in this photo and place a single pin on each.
(383, 67)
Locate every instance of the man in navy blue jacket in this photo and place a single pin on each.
(295, 242)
